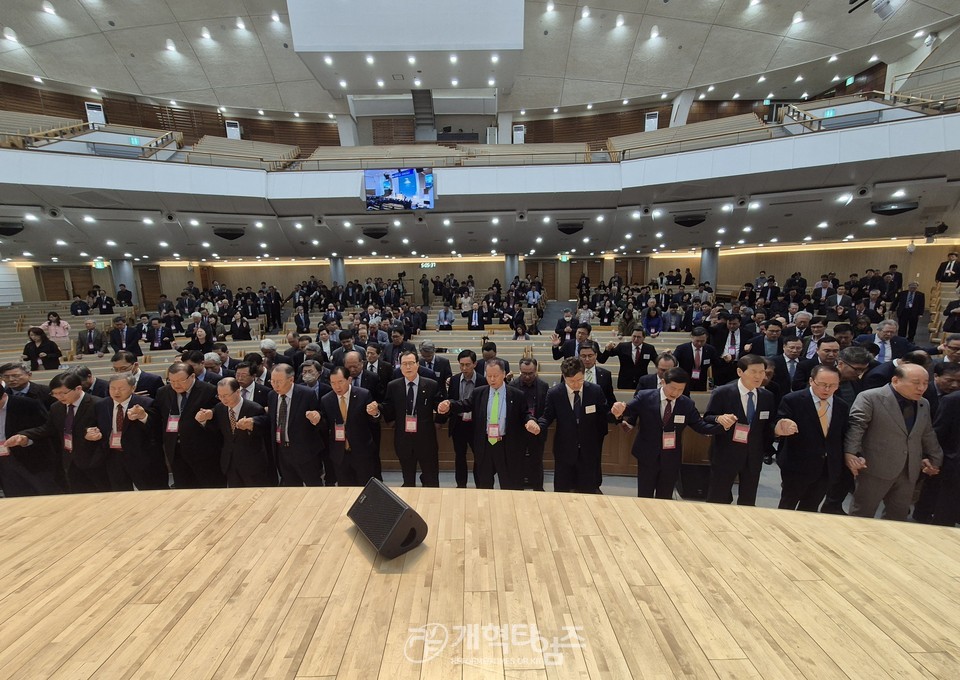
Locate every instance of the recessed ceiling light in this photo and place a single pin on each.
(379, 83)
(347, 224)
(333, 254)
(359, 241)
(328, 60)
(599, 218)
(628, 236)
(260, 111)
(416, 82)
(555, 109)
(620, 20)
(258, 225)
(845, 198)
(453, 59)
(491, 82)
(449, 240)
(48, 7)
(835, 79)
(30, 217)
(871, 222)
(27, 253)
(275, 16)
(454, 82)
(899, 193)
(539, 239)
(586, 239)
(546, 219)
(263, 245)
(850, 236)
(663, 245)
(297, 225)
(625, 102)
(636, 214)
(663, 95)
(88, 219)
(413, 252)
(747, 230)
(657, 213)
(722, 230)
(654, 32)
(495, 221)
(770, 96)
(343, 83)
(315, 242)
(550, 7)
(823, 225)
(797, 17)
(406, 241)
(95, 90)
(741, 242)
(754, 3)
(10, 34)
(173, 102)
(37, 79)
(727, 207)
(832, 58)
(83, 254)
(702, 96)
(717, 243)
(589, 106)
(804, 95)
(774, 240)
(798, 79)
(873, 58)
(147, 220)
(221, 109)
(494, 58)
(370, 59)
(61, 242)
(711, 88)
(171, 46)
(296, 114)
(523, 112)
(754, 205)
(411, 59)
(240, 24)
(163, 244)
(396, 223)
(446, 222)
(761, 79)
(330, 115)
(659, 234)
(205, 33)
(205, 244)
(193, 223)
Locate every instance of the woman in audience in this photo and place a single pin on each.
(652, 322)
(41, 350)
(55, 328)
(239, 327)
(218, 329)
(607, 313)
(520, 332)
(201, 342)
(863, 326)
(625, 322)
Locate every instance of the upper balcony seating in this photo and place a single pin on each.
(708, 134)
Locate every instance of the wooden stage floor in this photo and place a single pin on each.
(277, 583)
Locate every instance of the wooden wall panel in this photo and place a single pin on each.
(54, 284)
(388, 131)
(712, 110)
(593, 129)
(549, 278)
(873, 79)
(150, 287)
(81, 279)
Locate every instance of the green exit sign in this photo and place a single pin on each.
(849, 81)
(99, 264)
(134, 141)
(564, 258)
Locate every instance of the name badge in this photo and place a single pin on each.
(68, 443)
(90, 345)
(706, 362)
(173, 424)
(669, 441)
(493, 431)
(764, 415)
(4, 451)
(278, 435)
(467, 417)
(741, 433)
(695, 374)
(340, 433)
(592, 408)
(680, 420)
(115, 439)
(410, 424)
(646, 357)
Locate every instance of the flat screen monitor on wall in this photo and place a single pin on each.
(398, 189)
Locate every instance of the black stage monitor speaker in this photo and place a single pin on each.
(392, 526)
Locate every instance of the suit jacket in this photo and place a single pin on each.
(372, 383)
(630, 372)
(383, 370)
(441, 366)
(724, 452)
(457, 425)
(900, 304)
(391, 353)
(540, 389)
(515, 418)
(803, 453)
(159, 339)
(947, 427)
(643, 411)
(195, 440)
(708, 357)
(757, 345)
(942, 275)
(573, 439)
(303, 441)
(651, 381)
(243, 450)
(360, 427)
(86, 455)
(898, 345)
(468, 315)
(261, 394)
(567, 349)
(724, 371)
(394, 410)
(801, 377)
(877, 433)
(99, 342)
(132, 341)
(303, 322)
(24, 414)
(100, 388)
(605, 382)
(882, 374)
(141, 442)
(41, 393)
(149, 383)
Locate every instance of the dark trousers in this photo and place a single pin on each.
(838, 489)
(533, 461)
(908, 326)
(87, 480)
(410, 455)
(492, 460)
(145, 475)
(657, 474)
(579, 474)
(238, 478)
(803, 491)
(722, 477)
(301, 472)
(17, 480)
(197, 472)
(355, 468)
(462, 438)
(939, 501)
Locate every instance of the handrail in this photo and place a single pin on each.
(916, 71)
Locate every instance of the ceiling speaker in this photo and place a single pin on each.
(569, 228)
(690, 220)
(376, 233)
(893, 207)
(228, 233)
(10, 228)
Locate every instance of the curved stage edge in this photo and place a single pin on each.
(278, 583)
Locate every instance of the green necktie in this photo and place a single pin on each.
(493, 418)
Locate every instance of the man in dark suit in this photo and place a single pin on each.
(811, 424)
(103, 303)
(939, 503)
(159, 338)
(535, 392)
(349, 419)
(226, 360)
(314, 376)
(729, 341)
(71, 416)
(30, 469)
(635, 357)
(374, 364)
(566, 326)
(124, 338)
(696, 357)
(148, 384)
(828, 349)
(571, 348)
(244, 458)
(501, 415)
(488, 352)
(740, 451)
(192, 451)
(91, 340)
(250, 389)
(294, 420)
(302, 320)
(461, 426)
(439, 365)
(785, 365)
(891, 345)
(768, 342)
(580, 411)
(130, 433)
(595, 374)
(909, 306)
(654, 381)
(410, 402)
(397, 346)
(949, 270)
(91, 385)
(662, 415)
(16, 376)
(474, 317)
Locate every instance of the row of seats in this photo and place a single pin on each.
(243, 153)
(720, 132)
(15, 126)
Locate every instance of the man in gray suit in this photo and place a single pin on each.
(890, 441)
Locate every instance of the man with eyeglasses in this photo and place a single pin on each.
(950, 349)
(828, 350)
(147, 384)
(811, 425)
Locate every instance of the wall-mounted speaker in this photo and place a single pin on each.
(392, 526)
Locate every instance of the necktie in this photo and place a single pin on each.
(68, 421)
(577, 405)
(411, 406)
(588, 376)
(696, 359)
(474, 318)
(751, 407)
(343, 408)
(732, 345)
(371, 368)
(183, 403)
(493, 417)
(668, 414)
(233, 420)
(909, 299)
(883, 352)
(822, 414)
(119, 418)
(636, 358)
(282, 419)
(89, 338)
(791, 367)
